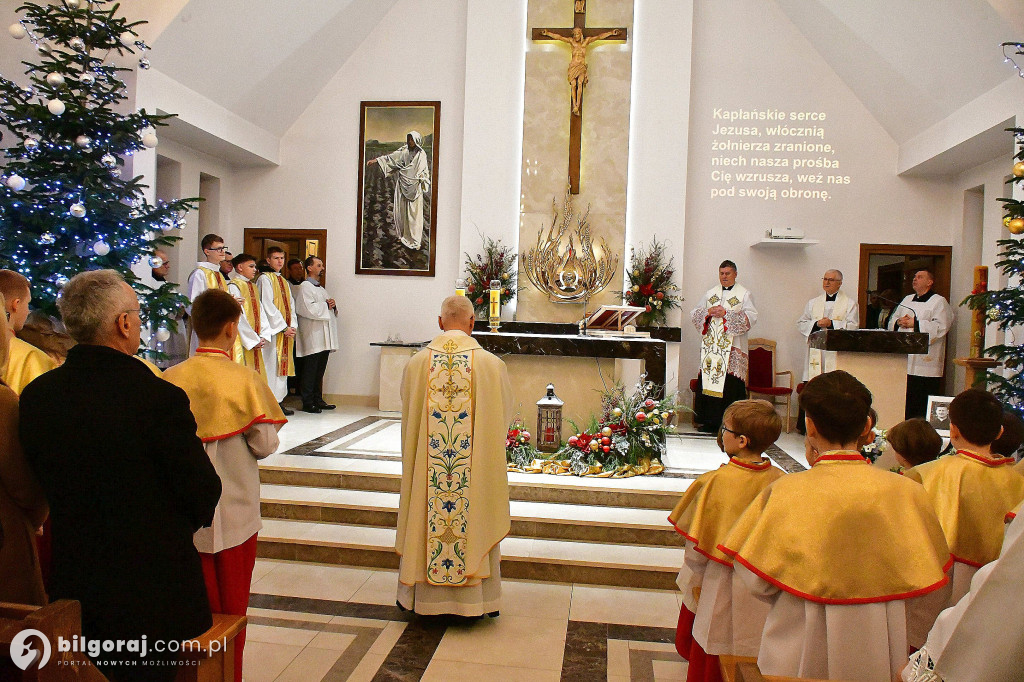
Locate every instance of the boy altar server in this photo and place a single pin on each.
(256, 335)
(973, 489)
(723, 620)
(279, 305)
(238, 420)
(851, 558)
(25, 362)
(208, 275)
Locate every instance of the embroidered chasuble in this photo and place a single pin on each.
(846, 551)
(971, 494)
(228, 406)
(456, 406)
(251, 358)
(25, 362)
(285, 346)
(720, 354)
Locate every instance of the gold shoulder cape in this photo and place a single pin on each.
(971, 494)
(713, 502)
(453, 510)
(25, 362)
(226, 398)
(843, 532)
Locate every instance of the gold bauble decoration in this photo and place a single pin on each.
(1006, 221)
(1016, 226)
(1018, 169)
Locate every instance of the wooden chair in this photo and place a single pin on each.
(218, 666)
(762, 376)
(743, 669)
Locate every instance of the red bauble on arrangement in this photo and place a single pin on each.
(648, 403)
(640, 416)
(660, 295)
(526, 436)
(606, 448)
(606, 441)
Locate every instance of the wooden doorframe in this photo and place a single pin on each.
(251, 234)
(942, 276)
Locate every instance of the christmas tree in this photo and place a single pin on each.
(64, 205)
(1005, 307)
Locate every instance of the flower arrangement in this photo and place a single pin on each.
(650, 275)
(519, 451)
(628, 439)
(496, 262)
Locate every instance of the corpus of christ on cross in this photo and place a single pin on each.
(579, 38)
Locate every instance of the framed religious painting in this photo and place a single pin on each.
(396, 220)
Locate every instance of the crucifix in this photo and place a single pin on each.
(579, 38)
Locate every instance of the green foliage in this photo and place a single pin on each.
(74, 161)
(496, 262)
(1005, 307)
(650, 276)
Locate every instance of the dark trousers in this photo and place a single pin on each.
(918, 390)
(313, 368)
(708, 409)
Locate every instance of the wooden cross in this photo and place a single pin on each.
(578, 42)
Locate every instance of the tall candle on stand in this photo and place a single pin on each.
(460, 287)
(978, 316)
(495, 307)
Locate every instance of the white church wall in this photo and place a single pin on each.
(747, 55)
(315, 185)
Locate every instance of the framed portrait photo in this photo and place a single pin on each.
(938, 413)
(397, 204)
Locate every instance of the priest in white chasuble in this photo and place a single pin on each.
(413, 180)
(456, 407)
(256, 334)
(282, 323)
(851, 558)
(723, 319)
(833, 309)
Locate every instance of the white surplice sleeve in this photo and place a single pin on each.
(694, 566)
(936, 320)
(196, 286)
(311, 304)
(852, 319)
(806, 324)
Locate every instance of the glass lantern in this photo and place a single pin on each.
(549, 421)
(494, 320)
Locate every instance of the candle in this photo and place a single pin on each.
(495, 305)
(460, 287)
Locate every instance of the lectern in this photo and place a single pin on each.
(879, 359)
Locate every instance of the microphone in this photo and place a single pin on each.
(898, 304)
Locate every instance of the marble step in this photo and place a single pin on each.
(593, 563)
(642, 492)
(586, 523)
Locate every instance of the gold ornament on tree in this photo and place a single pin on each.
(1018, 169)
(1016, 226)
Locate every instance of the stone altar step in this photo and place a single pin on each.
(586, 523)
(641, 492)
(597, 563)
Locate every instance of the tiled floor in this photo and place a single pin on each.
(315, 622)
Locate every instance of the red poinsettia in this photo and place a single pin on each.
(647, 289)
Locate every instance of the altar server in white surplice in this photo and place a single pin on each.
(318, 335)
(282, 323)
(723, 319)
(831, 310)
(413, 168)
(208, 275)
(924, 311)
(453, 511)
(970, 642)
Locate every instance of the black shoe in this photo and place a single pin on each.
(313, 409)
(494, 614)
(287, 412)
(325, 406)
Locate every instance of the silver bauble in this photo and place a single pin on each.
(87, 79)
(83, 141)
(47, 238)
(78, 210)
(31, 144)
(77, 44)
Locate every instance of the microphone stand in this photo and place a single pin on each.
(898, 304)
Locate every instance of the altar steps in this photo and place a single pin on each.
(563, 530)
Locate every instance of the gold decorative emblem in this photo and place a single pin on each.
(733, 301)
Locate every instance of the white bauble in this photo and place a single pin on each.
(155, 262)
(55, 79)
(150, 140)
(60, 280)
(83, 141)
(16, 182)
(144, 64)
(87, 79)
(78, 210)
(77, 44)
(72, 4)
(127, 38)
(31, 144)
(17, 31)
(101, 248)
(56, 107)
(45, 48)
(162, 334)
(108, 161)
(47, 238)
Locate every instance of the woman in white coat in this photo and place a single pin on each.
(318, 335)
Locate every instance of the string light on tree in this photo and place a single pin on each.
(64, 204)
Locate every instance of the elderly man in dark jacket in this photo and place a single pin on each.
(116, 452)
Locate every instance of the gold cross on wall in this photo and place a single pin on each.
(579, 38)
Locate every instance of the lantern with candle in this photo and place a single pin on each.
(549, 421)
